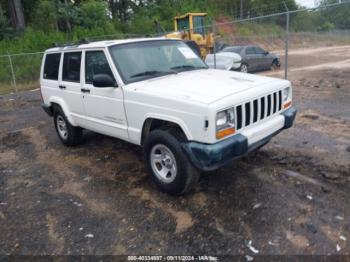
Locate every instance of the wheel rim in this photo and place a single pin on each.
(163, 163)
(61, 127)
(244, 69)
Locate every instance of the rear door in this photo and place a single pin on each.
(251, 58)
(49, 76)
(104, 107)
(70, 85)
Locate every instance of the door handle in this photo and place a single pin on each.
(62, 87)
(84, 90)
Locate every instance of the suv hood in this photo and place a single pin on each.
(204, 86)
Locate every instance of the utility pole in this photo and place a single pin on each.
(214, 47)
(241, 13)
(286, 41)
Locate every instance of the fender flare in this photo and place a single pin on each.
(59, 101)
(171, 119)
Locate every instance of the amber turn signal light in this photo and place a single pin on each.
(226, 132)
(288, 104)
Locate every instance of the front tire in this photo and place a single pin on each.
(167, 164)
(275, 65)
(68, 134)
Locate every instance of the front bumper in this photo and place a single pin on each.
(209, 157)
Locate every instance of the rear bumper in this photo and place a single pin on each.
(209, 157)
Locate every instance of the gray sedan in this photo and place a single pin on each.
(254, 58)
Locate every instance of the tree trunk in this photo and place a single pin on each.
(67, 19)
(17, 15)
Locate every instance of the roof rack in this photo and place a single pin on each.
(73, 44)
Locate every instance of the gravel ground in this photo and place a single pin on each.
(291, 197)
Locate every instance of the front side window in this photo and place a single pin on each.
(52, 65)
(144, 60)
(198, 25)
(71, 67)
(259, 50)
(96, 63)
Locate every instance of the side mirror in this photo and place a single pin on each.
(103, 80)
(267, 52)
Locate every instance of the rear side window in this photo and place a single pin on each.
(250, 51)
(52, 65)
(236, 50)
(96, 63)
(71, 67)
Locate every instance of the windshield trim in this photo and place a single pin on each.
(148, 77)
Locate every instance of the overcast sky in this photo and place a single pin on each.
(307, 3)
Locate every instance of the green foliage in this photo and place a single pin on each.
(93, 14)
(327, 26)
(67, 14)
(3, 19)
(258, 29)
(45, 18)
(304, 21)
(50, 21)
(5, 29)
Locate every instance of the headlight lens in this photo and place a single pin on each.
(287, 97)
(221, 119)
(225, 123)
(285, 94)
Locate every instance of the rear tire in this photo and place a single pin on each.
(167, 164)
(243, 68)
(68, 134)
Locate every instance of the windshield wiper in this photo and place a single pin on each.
(191, 67)
(153, 73)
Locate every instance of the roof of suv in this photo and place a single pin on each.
(102, 44)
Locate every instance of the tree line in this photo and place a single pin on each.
(123, 15)
(39, 22)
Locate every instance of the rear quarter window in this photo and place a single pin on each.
(52, 65)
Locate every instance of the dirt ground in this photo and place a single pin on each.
(291, 197)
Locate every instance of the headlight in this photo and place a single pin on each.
(225, 123)
(221, 119)
(285, 94)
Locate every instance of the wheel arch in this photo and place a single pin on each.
(157, 122)
(56, 101)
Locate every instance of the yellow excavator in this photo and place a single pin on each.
(191, 27)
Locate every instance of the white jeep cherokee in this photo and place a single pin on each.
(157, 93)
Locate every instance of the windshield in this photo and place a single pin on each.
(144, 60)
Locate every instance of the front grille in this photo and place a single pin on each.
(258, 109)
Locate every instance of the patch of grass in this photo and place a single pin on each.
(7, 88)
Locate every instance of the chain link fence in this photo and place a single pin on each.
(281, 33)
(297, 37)
(19, 72)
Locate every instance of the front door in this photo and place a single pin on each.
(104, 107)
(264, 60)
